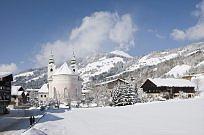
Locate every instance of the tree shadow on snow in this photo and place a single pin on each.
(49, 117)
(60, 110)
(17, 119)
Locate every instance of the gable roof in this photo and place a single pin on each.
(117, 79)
(6, 76)
(172, 82)
(15, 90)
(44, 88)
(63, 70)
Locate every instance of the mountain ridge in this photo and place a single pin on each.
(103, 66)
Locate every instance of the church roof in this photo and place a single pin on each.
(63, 70)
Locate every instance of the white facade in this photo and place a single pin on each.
(43, 95)
(64, 83)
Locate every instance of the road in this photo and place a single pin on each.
(17, 121)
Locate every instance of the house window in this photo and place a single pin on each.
(44, 95)
(74, 70)
(41, 95)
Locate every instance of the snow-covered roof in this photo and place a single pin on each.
(35, 90)
(4, 74)
(63, 70)
(172, 82)
(15, 90)
(44, 88)
(20, 93)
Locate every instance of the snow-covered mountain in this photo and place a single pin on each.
(99, 67)
(121, 53)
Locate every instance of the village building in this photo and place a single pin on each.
(64, 82)
(18, 96)
(32, 96)
(111, 84)
(169, 86)
(5, 91)
(43, 95)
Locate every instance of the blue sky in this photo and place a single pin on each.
(27, 25)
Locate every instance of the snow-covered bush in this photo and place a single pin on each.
(182, 95)
(124, 95)
(141, 96)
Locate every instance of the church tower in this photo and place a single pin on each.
(73, 64)
(50, 71)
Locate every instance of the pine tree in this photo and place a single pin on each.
(124, 95)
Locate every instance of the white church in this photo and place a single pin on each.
(64, 83)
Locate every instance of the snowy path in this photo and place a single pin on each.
(183, 117)
(16, 122)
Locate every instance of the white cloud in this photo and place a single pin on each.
(154, 31)
(160, 36)
(100, 31)
(178, 34)
(122, 32)
(195, 32)
(8, 68)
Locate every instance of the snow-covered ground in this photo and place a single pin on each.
(173, 117)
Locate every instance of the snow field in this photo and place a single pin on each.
(183, 117)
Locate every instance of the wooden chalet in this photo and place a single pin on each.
(112, 83)
(5, 91)
(171, 86)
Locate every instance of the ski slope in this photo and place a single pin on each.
(179, 70)
(175, 117)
